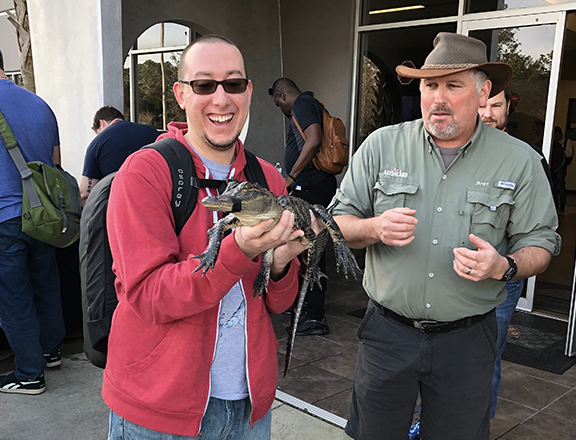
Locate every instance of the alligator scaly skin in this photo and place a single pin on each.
(249, 204)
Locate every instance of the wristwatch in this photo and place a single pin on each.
(511, 271)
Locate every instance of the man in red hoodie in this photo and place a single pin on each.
(192, 355)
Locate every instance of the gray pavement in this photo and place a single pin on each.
(72, 408)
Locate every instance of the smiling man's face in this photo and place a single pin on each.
(216, 120)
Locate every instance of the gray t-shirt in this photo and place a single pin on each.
(449, 154)
(228, 370)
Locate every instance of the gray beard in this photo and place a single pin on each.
(444, 134)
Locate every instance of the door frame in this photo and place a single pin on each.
(559, 19)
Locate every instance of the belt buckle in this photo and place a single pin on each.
(421, 325)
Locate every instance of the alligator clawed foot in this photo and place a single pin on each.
(259, 292)
(207, 261)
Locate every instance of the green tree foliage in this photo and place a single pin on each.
(150, 93)
(531, 76)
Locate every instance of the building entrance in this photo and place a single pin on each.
(540, 47)
(536, 47)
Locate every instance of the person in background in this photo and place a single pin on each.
(30, 306)
(558, 167)
(496, 113)
(303, 179)
(538, 130)
(116, 139)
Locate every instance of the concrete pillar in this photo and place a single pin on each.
(77, 52)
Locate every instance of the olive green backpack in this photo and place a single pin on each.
(51, 203)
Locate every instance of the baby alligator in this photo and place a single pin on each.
(249, 204)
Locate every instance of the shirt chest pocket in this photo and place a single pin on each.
(490, 215)
(388, 195)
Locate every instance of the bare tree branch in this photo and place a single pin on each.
(22, 26)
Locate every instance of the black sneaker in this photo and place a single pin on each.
(10, 384)
(308, 327)
(53, 359)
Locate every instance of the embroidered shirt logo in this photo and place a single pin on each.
(506, 185)
(479, 183)
(394, 172)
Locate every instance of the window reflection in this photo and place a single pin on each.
(384, 98)
(529, 51)
(16, 78)
(155, 56)
(155, 105)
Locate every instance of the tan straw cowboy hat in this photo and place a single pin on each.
(454, 53)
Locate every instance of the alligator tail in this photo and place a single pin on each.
(294, 323)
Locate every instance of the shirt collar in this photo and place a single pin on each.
(480, 127)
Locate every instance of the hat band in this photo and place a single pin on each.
(448, 66)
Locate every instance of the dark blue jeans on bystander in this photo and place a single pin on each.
(30, 308)
(504, 313)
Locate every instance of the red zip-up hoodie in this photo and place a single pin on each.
(164, 330)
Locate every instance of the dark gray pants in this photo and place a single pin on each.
(452, 371)
(320, 194)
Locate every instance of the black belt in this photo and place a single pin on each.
(430, 326)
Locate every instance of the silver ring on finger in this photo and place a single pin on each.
(468, 271)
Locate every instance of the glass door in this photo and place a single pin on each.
(571, 339)
(533, 44)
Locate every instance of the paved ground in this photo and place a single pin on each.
(72, 409)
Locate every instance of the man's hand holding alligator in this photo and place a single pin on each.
(253, 240)
(287, 245)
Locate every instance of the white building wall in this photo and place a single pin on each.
(77, 52)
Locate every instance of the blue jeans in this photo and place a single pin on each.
(30, 308)
(223, 420)
(503, 316)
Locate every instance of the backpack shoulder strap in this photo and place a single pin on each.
(11, 145)
(298, 127)
(185, 184)
(183, 172)
(253, 170)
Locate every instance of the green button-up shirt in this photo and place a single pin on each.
(495, 188)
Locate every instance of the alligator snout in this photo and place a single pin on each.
(222, 203)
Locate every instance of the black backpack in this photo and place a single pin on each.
(99, 298)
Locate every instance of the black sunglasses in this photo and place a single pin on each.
(209, 86)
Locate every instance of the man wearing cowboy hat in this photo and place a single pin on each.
(446, 220)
